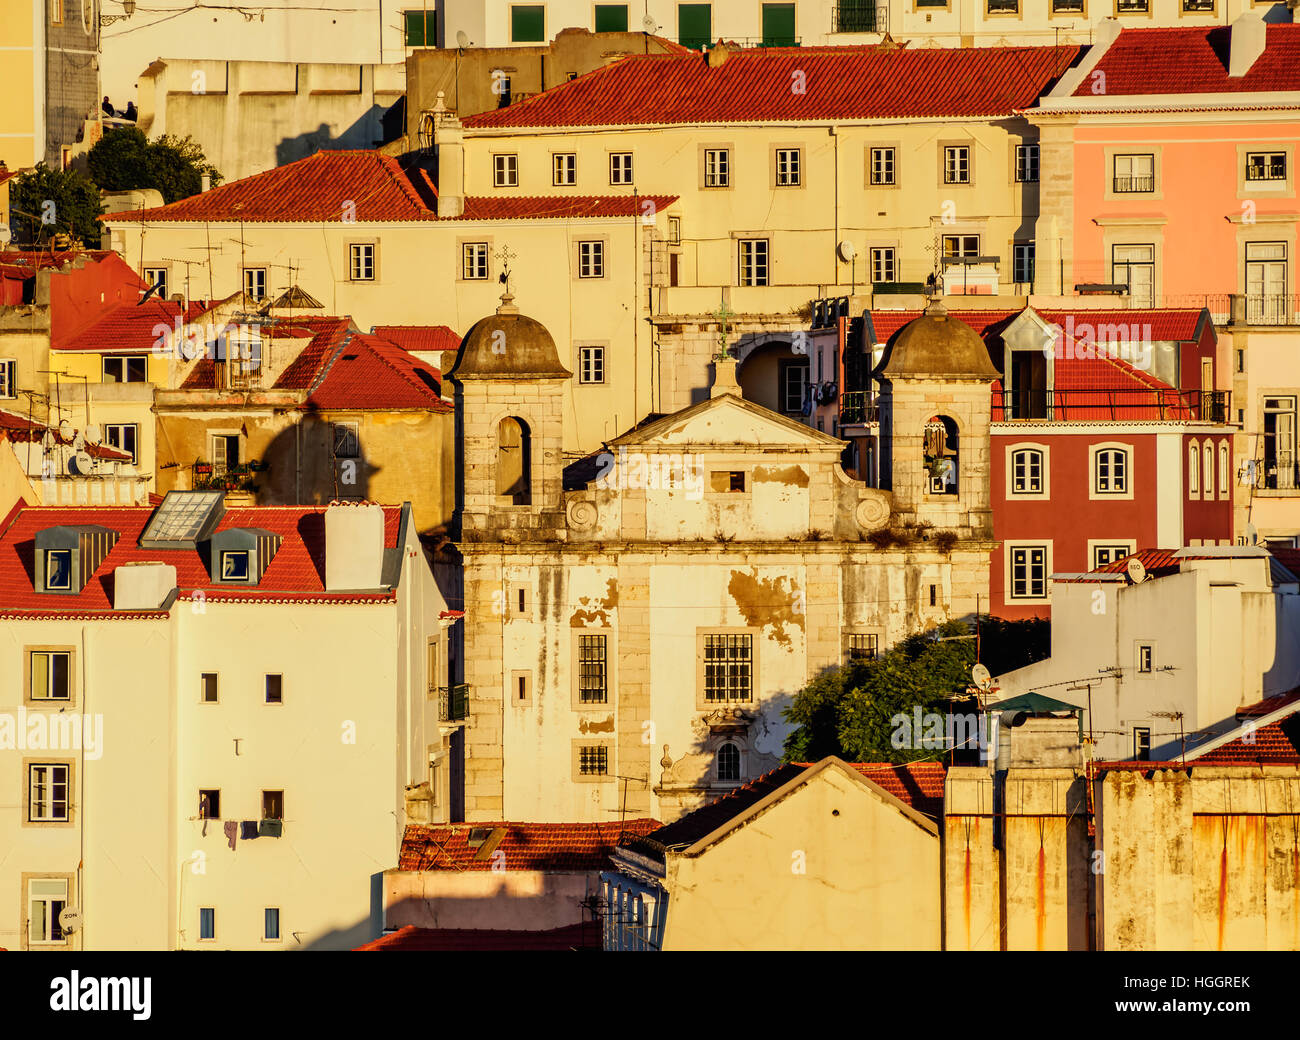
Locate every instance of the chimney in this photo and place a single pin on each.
(718, 53)
(354, 547)
(142, 586)
(449, 142)
(1246, 43)
(205, 182)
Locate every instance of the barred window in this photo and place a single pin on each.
(728, 666)
(593, 760)
(728, 762)
(863, 646)
(592, 684)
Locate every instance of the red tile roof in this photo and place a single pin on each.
(448, 940)
(527, 846)
(295, 574)
(561, 207)
(917, 784)
(372, 373)
(18, 429)
(129, 328)
(1194, 61)
(1276, 743)
(841, 83)
(419, 337)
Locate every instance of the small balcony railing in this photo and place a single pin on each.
(858, 406)
(453, 703)
(1105, 404)
(1272, 310)
(1278, 471)
(1134, 185)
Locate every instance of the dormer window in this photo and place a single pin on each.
(58, 570)
(234, 565)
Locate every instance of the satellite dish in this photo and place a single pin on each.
(847, 251)
(65, 430)
(83, 462)
(649, 24)
(981, 675)
(1135, 571)
(462, 39)
(93, 433)
(78, 442)
(1252, 534)
(70, 919)
(5, 234)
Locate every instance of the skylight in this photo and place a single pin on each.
(183, 520)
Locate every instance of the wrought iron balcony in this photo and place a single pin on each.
(858, 406)
(1273, 309)
(1087, 405)
(453, 703)
(1134, 185)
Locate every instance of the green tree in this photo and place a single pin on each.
(48, 202)
(124, 159)
(847, 711)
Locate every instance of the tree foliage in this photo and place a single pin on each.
(846, 711)
(48, 202)
(124, 159)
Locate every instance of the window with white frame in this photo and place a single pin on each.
(591, 364)
(717, 167)
(8, 378)
(788, 167)
(1135, 266)
(235, 565)
(1022, 262)
(47, 792)
(156, 277)
(347, 440)
(591, 259)
(1110, 471)
(1027, 163)
(882, 166)
(1028, 572)
(1027, 468)
(884, 267)
(675, 231)
(46, 900)
(1105, 555)
(1134, 174)
(1266, 166)
(728, 662)
(271, 924)
(51, 674)
(255, 283)
(752, 256)
(956, 164)
(207, 923)
(361, 262)
(1193, 469)
(1280, 470)
(620, 168)
(474, 261)
(564, 169)
(505, 171)
(124, 437)
(58, 570)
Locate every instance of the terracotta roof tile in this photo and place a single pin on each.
(372, 373)
(842, 83)
(419, 337)
(1195, 61)
(560, 207)
(129, 327)
(526, 846)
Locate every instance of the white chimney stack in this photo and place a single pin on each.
(354, 547)
(1246, 43)
(142, 586)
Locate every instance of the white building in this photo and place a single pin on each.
(1168, 651)
(179, 681)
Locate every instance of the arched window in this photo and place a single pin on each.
(1207, 472)
(1193, 468)
(1110, 471)
(728, 762)
(1225, 470)
(941, 455)
(1027, 471)
(514, 461)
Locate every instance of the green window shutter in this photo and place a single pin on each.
(611, 18)
(415, 36)
(695, 25)
(778, 25)
(528, 23)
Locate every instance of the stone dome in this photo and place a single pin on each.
(508, 345)
(937, 346)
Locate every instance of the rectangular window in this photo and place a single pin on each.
(1067, 6)
(564, 169)
(956, 164)
(1142, 743)
(862, 646)
(56, 12)
(1135, 267)
(347, 440)
(591, 364)
(611, 18)
(591, 670)
(47, 792)
(209, 804)
(1266, 166)
(1027, 163)
(361, 261)
(1105, 555)
(1133, 6)
(528, 23)
(474, 260)
(51, 675)
(207, 922)
(961, 245)
(271, 924)
(728, 666)
(675, 231)
(1027, 472)
(753, 261)
(46, 900)
(1029, 572)
(882, 166)
(505, 171)
(778, 25)
(1110, 472)
(695, 25)
(717, 167)
(58, 570)
(620, 168)
(727, 481)
(235, 565)
(208, 687)
(1145, 659)
(1279, 443)
(1266, 282)
(275, 689)
(792, 375)
(593, 760)
(1134, 174)
(125, 369)
(1022, 262)
(591, 259)
(788, 172)
(255, 283)
(1003, 6)
(124, 437)
(273, 805)
(421, 28)
(883, 265)
(157, 278)
(1207, 456)
(8, 378)
(1225, 469)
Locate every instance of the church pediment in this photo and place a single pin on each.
(727, 421)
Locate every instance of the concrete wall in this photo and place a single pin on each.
(531, 900)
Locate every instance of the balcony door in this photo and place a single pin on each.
(1135, 266)
(1266, 283)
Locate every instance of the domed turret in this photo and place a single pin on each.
(508, 345)
(937, 346)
